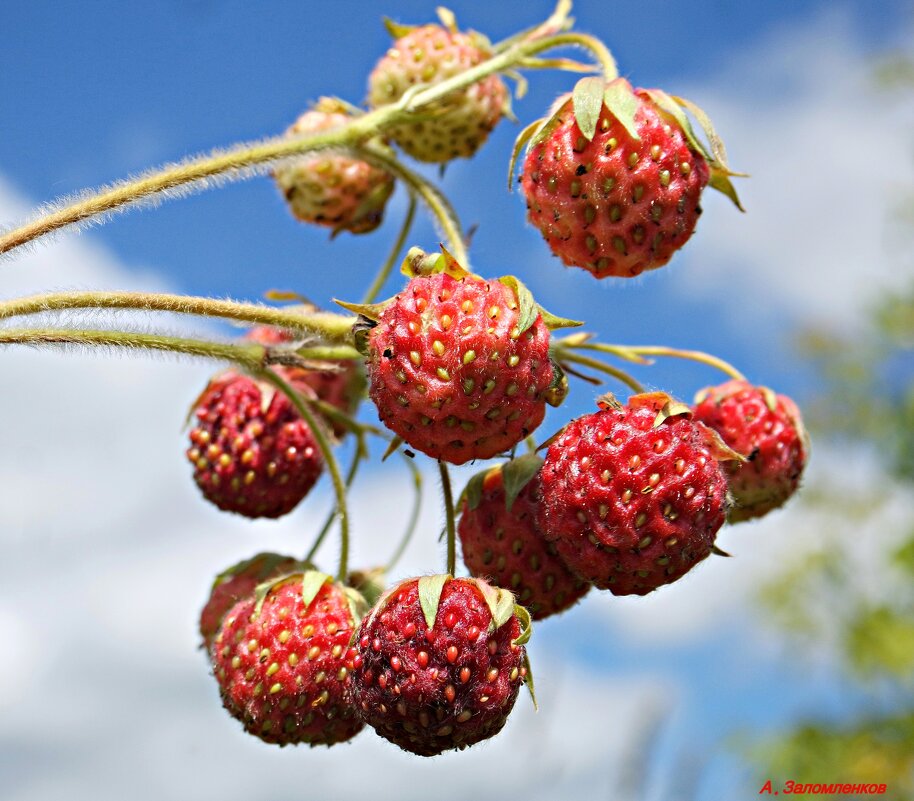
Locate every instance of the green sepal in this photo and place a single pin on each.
(516, 474)
(558, 388)
(268, 561)
(526, 625)
(523, 137)
(720, 450)
(430, 588)
(358, 604)
(520, 83)
(361, 332)
(549, 124)
(262, 590)
(719, 551)
(609, 402)
(587, 101)
(720, 181)
(398, 30)
(372, 311)
(553, 321)
(771, 399)
(527, 311)
(311, 584)
(448, 18)
(499, 601)
(370, 583)
(718, 151)
(622, 102)
(668, 104)
(472, 492)
(672, 408)
(395, 443)
(418, 263)
(528, 680)
(452, 267)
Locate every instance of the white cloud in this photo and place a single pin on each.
(828, 154)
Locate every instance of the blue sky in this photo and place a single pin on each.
(90, 92)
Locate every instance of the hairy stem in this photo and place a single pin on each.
(384, 273)
(333, 466)
(596, 364)
(449, 518)
(247, 159)
(691, 355)
(250, 356)
(336, 328)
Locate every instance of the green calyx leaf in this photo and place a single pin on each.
(448, 18)
(669, 106)
(528, 311)
(430, 588)
(358, 604)
(609, 402)
(557, 390)
(262, 590)
(548, 124)
(396, 29)
(622, 103)
(361, 333)
(672, 408)
(587, 101)
(528, 680)
(720, 450)
(263, 564)
(368, 583)
(472, 492)
(372, 311)
(517, 473)
(418, 263)
(311, 584)
(523, 137)
(720, 181)
(395, 443)
(719, 551)
(552, 321)
(718, 151)
(526, 625)
(499, 601)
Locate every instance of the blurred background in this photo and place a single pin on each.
(791, 661)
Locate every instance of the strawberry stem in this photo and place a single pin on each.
(335, 328)
(596, 364)
(449, 518)
(333, 466)
(413, 517)
(691, 355)
(384, 273)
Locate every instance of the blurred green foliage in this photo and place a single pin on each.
(826, 599)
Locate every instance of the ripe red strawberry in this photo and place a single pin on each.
(283, 662)
(614, 178)
(455, 126)
(765, 428)
(437, 669)
(236, 583)
(633, 496)
(332, 190)
(341, 384)
(459, 366)
(502, 541)
(252, 453)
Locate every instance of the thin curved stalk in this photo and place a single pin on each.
(449, 518)
(384, 273)
(250, 356)
(692, 355)
(595, 364)
(329, 327)
(333, 466)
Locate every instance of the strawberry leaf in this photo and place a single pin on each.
(517, 473)
(396, 29)
(719, 552)
(372, 311)
(358, 605)
(528, 310)
(263, 589)
(557, 390)
(720, 181)
(451, 266)
(720, 450)
(771, 400)
(499, 601)
(549, 124)
(622, 102)
(668, 105)
(448, 18)
(395, 443)
(526, 625)
(587, 101)
(472, 492)
(528, 680)
(430, 588)
(522, 139)
(717, 145)
(552, 321)
(672, 409)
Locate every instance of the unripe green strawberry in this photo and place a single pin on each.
(237, 583)
(251, 451)
(283, 661)
(439, 663)
(459, 367)
(339, 192)
(502, 541)
(455, 126)
(613, 180)
(633, 496)
(765, 428)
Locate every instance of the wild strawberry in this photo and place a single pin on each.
(765, 428)
(457, 125)
(439, 663)
(252, 453)
(335, 191)
(614, 178)
(236, 583)
(502, 541)
(633, 496)
(283, 661)
(459, 366)
(340, 384)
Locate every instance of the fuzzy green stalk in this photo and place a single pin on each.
(596, 364)
(333, 466)
(251, 158)
(449, 518)
(332, 328)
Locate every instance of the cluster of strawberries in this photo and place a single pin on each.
(627, 499)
